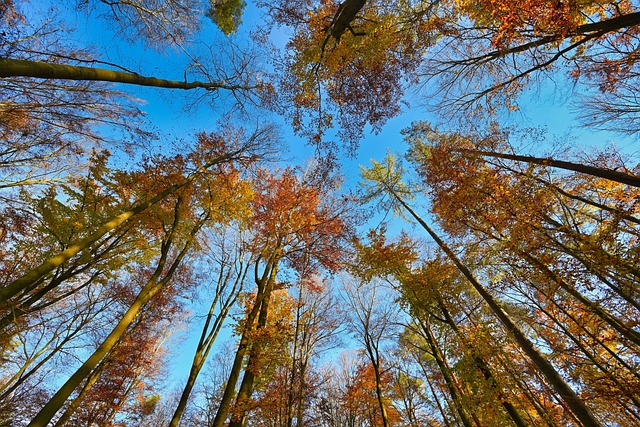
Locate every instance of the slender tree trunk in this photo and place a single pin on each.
(292, 383)
(246, 387)
(566, 393)
(604, 315)
(609, 174)
(379, 395)
(207, 338)
(446, 375)
(75, 403)
(443, 413)
(484, 369)
(46, 70)
(301, 395)
(245, 342)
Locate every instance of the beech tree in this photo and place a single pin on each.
(296, 224)
(493, 50)
(349, 63)
(232, 262)
(426, 287)
(579, 291)
(213, 151)
(373, 319)
(386, 179)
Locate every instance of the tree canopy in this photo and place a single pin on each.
(185, 239)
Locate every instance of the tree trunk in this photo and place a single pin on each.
(207, 339)
(446, 375)
(246, 387)
(484, 369)
(45, 70)
(609, 174)
(243, 347)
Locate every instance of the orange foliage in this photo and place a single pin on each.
(299, 219)
(360, 397)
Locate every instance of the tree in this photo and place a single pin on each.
(385, 179)
(227, 14)
(157, 281)
(125, 375)
(232, 260)
(213, 151)
(373, 318)
(295, 223)
(180, 223)
(564, 255)
(91, 199)
(362, 397)
(347, 62)
(317, 323)
(426, 286)
(43, 70)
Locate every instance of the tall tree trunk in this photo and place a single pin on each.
(207, 338)
(446, 375)
(47, 70)
(566, 393)
(75, 403)
(484, 368)
(246, 387)
(245, 341)
(609, 174)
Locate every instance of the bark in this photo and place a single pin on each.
(75, 403)
(245, 342)
(566, 393)
(609, 174)
(44, 70)
(345, 15)
(383, 409)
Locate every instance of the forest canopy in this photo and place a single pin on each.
(319, 213)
